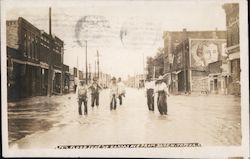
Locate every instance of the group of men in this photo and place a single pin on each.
(159, 87)
(117, 90)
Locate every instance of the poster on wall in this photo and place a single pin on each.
(204, 52)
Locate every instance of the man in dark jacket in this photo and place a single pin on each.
(95, 90)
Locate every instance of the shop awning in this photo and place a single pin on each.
(176, 72)
(165, 75)
(57, 71)
(225, 74)
(44, 65)
(214, 74)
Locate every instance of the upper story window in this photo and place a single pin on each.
(25, 44)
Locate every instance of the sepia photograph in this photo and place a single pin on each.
(126, 78)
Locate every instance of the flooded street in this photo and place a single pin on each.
(46, 122)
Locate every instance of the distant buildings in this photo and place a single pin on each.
(136, 81)
(190, 59)
(34, 61)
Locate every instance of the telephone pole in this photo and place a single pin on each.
(50, 78)
(98, 69)
(89, 72)
(143, 67)
(95, 69)
(77, 73)
(86, 61)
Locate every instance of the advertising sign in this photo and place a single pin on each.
(204, 52)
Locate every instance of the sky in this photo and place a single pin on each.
(124, 32)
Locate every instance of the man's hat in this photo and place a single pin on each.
(160, 78)
(113, 78)
(95, 79)
(82, 81)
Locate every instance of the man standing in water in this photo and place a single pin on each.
(82, 97)
(162, 90)
(95, 90)
(121, 90)
(113, 93)
(150, 86)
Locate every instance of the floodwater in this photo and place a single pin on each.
(46, 122)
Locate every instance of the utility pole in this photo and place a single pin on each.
(143, 69)
(95, 69)
(77, 72)
(86, 61)
(98, 68)
(185, 67)
(154, 73)
(50, 29)
(50, 80)
(89, 73)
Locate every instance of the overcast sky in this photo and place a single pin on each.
(121, 31)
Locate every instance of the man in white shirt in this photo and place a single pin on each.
(113, 93)
(121, 90)
(150, 86)
(162, 90)
(81, 91)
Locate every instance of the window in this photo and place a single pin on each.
(36, 48)
(228, 37)
(32, 47)
(25, 43)
(237, 36)
(235, 68)
(28, 44)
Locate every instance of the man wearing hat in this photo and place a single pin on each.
(150, 86)
(113, 93)
(82, 97)
(162, 91)
(121, 90)
(95, 90)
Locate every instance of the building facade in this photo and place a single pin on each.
(187, 59)
(233, 46)
(136, 81)
(33, 56)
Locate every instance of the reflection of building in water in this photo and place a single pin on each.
(30, 53)
(188, 57)
(233, 46)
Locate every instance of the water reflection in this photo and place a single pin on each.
(27, 119)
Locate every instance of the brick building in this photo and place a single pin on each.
(233, 46)
(32, 55)
(187, 56)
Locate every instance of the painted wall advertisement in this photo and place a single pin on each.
(204, 52)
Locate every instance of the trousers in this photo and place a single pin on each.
(150, 99)
(113, 103)
(84, 101)
(94, 99)
(162, 103)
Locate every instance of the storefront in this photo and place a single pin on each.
(24, 79)
(57, 77)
